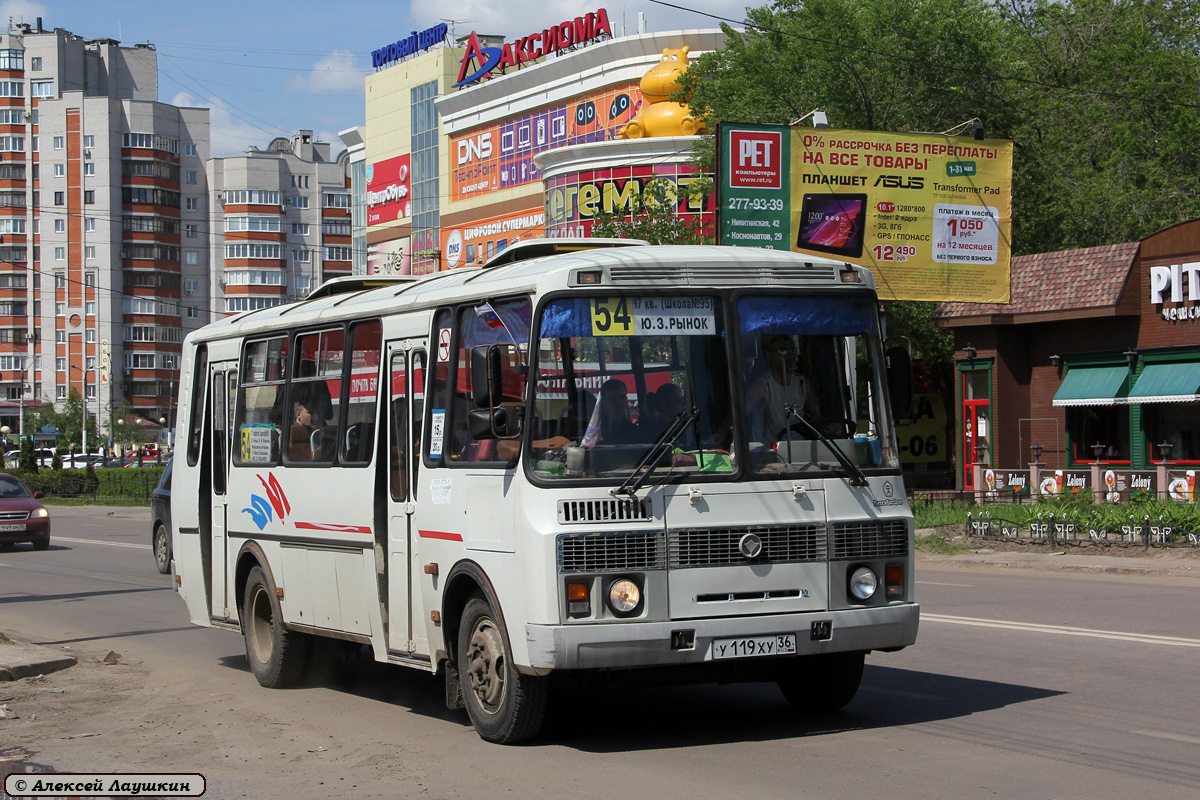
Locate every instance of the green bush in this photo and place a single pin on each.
(126, 484)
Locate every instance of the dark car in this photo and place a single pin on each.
(22, 517)
(160, 516)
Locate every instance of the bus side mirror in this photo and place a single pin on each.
(900, 382)
(501, 422)
(486, 376)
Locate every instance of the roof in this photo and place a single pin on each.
(1091, 278)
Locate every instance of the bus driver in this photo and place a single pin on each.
(782, 386)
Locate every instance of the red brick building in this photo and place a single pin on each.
(1099, 346)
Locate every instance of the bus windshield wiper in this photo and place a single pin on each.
(655, 453)
(857, 478)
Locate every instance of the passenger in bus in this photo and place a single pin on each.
(782, 385)
(662, 407)
(304, 438)
(610, 422)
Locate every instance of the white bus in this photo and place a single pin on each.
(653, 460)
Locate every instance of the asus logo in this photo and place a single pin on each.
(899, 182)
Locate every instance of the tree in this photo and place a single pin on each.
(69, 422)
(26, 462)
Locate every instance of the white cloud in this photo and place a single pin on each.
(332, 73)
(518, 19)
(23, 11)
(230, 135)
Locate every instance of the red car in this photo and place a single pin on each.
(22, 517)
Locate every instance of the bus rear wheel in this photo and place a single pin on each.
(505, 706)
(276, 655)
(822, 683)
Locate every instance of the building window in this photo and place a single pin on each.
(337, 253)
(189, 150)
(41, 89)
(300, 257)
(60, 198)
(89, 308)
(89, 251)
(14, 59)
(191, 285)
(60, 364)
(337, 201)
(335, 227)
(12, 144)
(235, 304)
(60, 337)
(191, 312)
(89, 336)
(35, 147)
(300, 228)
(89, 168)
(89, 279)
(298, 201)
(12, 89)
(60, 170)
(89, 140)
(190, 203)
(90, 391)
(190, 176)
(303, 282)
(252, 251)
(60, 254)
(268, 224)
(35, 63)
(60, 280)
(89, 363)
(89, 196)
(60, 392)
(60, 142)
(190, 231)
(260, 197)
(191, 257)
(60, 309)
(89, 224)
(149, 141)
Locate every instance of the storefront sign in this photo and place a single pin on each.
(1169, 282)
(387, 190)
(476, 243)
(500, 156)
(931, 215)
(409, 45)
(479, 62)
(922, 440)
(574, 200)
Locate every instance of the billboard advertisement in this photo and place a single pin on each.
(500, 156)
(574, 199)
(393, 257)
(387, 190)
(477, 242)
(929, 214)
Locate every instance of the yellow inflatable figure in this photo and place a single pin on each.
(658, 116)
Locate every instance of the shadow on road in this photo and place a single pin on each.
(39, 598)
(676, 716)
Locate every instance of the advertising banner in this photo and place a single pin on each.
(390, 258)
(500, 156)
(387, 190)
(929, 214)
(465, 245)
(574, 199)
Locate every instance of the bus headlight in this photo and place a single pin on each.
(863, 583)
(624, 597)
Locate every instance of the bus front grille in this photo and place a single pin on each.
(611, 552)
(870, 539)
(719, 547)
(614, 510)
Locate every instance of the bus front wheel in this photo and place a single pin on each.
(276, 655)
(505, 706)
(822, 683)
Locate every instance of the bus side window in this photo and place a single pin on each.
(313, 420)
(260, 415)
(418, 408)
(358, 442)
(399, 442)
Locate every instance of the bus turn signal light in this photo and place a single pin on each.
(893, 578)
(579, 599)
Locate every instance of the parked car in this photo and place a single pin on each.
(160, 521)
(22, 517)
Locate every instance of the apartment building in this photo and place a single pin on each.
(103, 210)
(280, 221)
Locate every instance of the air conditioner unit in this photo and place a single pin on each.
(187, 291)
(87, 153)
(303, 292)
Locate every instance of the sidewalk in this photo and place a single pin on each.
(1164, 563)
(20, 660)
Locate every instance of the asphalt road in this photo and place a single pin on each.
(1022, 684)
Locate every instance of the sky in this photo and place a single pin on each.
(268, 69)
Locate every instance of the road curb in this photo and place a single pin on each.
(23, 660)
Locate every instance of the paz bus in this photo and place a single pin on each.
(555, 466)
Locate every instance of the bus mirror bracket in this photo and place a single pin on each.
(501, 422)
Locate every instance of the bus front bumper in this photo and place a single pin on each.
(645, 644)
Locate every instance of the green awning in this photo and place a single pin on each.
(1091, 386)
(1167, 383)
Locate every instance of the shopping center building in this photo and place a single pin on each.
(463, 161)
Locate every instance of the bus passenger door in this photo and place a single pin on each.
(405, 402)
(222, 384)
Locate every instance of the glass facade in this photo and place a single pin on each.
(425, 221)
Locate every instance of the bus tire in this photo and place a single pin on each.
(277, 656)
(162, 549)
(822, 683)
(505, 706)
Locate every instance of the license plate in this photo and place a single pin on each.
(782, 644)
(12, 526)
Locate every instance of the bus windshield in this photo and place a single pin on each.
(624, 379)
(615, 373)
